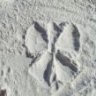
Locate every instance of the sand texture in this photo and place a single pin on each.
(47, 48)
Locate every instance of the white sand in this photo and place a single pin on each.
(47, 47)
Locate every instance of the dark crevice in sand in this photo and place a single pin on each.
(57, 85)
(48, 72)
(65, 61)
(42, 31)
(57, 28)
(28, 54)
(34, 59)
(62, 25)
(76, 36)
(53, 33)
(54, 78)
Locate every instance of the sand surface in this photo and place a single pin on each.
(47, 47)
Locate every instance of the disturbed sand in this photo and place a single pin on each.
(47, 47)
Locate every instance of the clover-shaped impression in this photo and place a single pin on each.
(52, 67)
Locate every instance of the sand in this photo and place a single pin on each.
(47, 48)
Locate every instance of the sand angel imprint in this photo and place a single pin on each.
(52, 68)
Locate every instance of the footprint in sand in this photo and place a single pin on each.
(52, 68)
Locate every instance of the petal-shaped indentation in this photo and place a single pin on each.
(34, 41)
(66, 61)
(63, 73)
(41, 69)
(69, 38)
